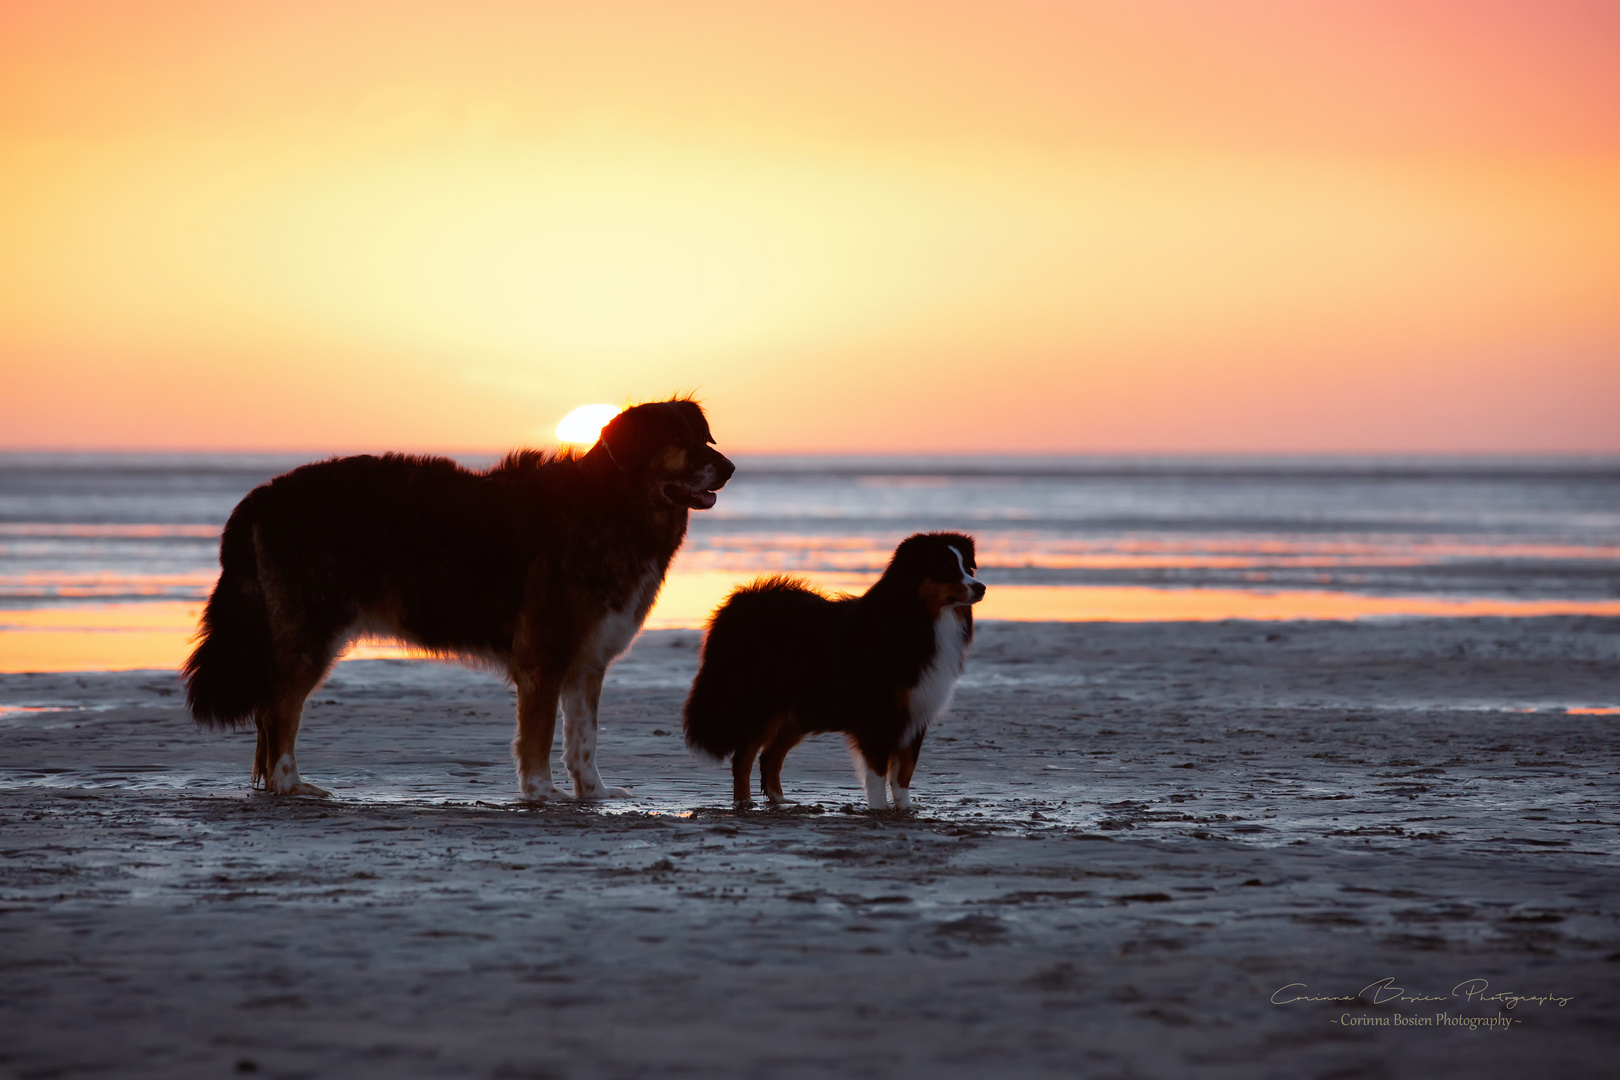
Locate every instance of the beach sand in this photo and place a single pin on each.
(1137, 847)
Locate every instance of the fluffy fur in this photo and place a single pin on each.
(543, 567)
(782, 661)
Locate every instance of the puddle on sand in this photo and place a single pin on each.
(8, 711)
(47, 717)
(1272, 804)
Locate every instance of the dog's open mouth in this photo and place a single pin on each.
(691, 498)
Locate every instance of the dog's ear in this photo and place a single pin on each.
(623, 438)
(635, 435)
(691, 414)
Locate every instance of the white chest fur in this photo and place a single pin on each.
(615, 632)
(932, 694)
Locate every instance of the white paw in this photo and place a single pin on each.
(602, 791)
(300, 787)
(902, 798)
(284, 780)
(539, 791)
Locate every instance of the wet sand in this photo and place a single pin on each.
(1130, 839)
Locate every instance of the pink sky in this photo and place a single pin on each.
(1143, 226)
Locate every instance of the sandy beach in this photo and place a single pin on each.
(1269, 353)
(1144, 850)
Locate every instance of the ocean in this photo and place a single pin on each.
(106, 558)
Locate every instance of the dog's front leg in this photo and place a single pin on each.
(877, 798)
(901, 768)
(537, 695)
(875, 782)
(581, 697)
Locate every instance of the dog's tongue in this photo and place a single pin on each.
(692, 500)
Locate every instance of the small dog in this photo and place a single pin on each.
(543, 566)
(782, 661)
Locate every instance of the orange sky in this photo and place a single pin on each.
(1370, 225)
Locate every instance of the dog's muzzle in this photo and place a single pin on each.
(702, 493)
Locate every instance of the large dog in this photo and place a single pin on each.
(782, 661)
(543, 566)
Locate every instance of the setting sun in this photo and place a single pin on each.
(583, 424)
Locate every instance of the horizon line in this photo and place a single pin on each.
(866, 455)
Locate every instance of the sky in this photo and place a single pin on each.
(1302, 226)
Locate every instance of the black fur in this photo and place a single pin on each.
(516, 566)
(782, 660)
(228, 676)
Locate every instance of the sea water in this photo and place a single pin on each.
(105, 559)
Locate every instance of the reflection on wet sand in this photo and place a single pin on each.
(157, 634)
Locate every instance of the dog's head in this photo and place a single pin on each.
(940, 566)
(666, 446)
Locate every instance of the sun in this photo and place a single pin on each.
(582, 426)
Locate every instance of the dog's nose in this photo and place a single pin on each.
(978, 591)
(724, 467)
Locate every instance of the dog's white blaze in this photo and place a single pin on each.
(967, 578)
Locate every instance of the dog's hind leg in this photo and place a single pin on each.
(261, 750)
(537, 695)
(901, 767)
(274, 762)
(742, 763)
(786, 738)
(581, 696)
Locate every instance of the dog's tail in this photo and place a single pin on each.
(228, 676)
(707, 718)
(714, 707)
(740, 678)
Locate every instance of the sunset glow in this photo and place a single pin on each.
(582, 426)
(159, 635)
(1158, 226)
